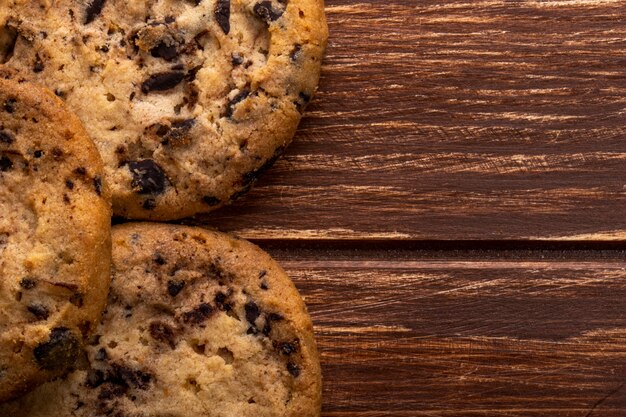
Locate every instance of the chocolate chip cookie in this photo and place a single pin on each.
(55, 240)
(188, 101)
(198, 324)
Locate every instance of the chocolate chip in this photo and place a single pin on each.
(237, 99)
(77, 299)
(303, 100)
(28, 283)
(287, 348)
(293, 55)
(222, 15)
(80, 171)
(251, 177)
(59, 352)
(160, 260)
(69, 184)
(198, 315)
(149, 204)
(95, 378)
(109, 392)
(162, 81)
(97, 185)
(39, 311)
(38, 66)
(38, 154)
(125, 376)
(267, 328)
(265, 11)
(101, 355)
(5, 164)
(166, 51)
(293, 369)
(236, 60)
(252, 312)
(94, 8)
(6, 137)
(148, 177)
(175, 287)
(162, 332)
(57, 153)
(9, 105)
(177, 134)
(275, 317)
(220, 301)
(210, 200)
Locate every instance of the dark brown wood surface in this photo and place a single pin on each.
(457, 120)
(453, 209)
(406, 334)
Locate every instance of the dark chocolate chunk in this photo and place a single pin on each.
(287, 348)
(210, 200)
(148, 177)
(149, 204)
(236, 60)
(97, 184)
(69, 184)
(39, 311)
(6, 137)
(9, 105)
(38, 154)
(162, 81)
(303, 100)
(95, 378)
(101, 355)
(110, 391)
(28, 283)
(125, 376)
(252, 312)
(237, 99)
(267, 328)
(293, 369)
(77, 299)
(178, 133)
(198, 315)
(293, 55)
(162, 332)
(160, 260)
(222, 15)
(164, 50)
(60, 351)
(175, 287)
(275, 317)
(265, 11)
(94, 8)
(5, 164)
(80, 171)
(38, 66)
(251, 177)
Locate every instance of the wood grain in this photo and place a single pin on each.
(456, 120)
(489, 336)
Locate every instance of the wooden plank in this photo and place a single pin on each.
(456, 119)
(404, 335)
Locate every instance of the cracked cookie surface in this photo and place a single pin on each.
(198, 323)
(54, 205)
(188, 101)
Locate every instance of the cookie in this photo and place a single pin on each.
(55, 239)
(188, 101)
(198, 324)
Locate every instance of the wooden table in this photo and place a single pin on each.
(454, 208)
